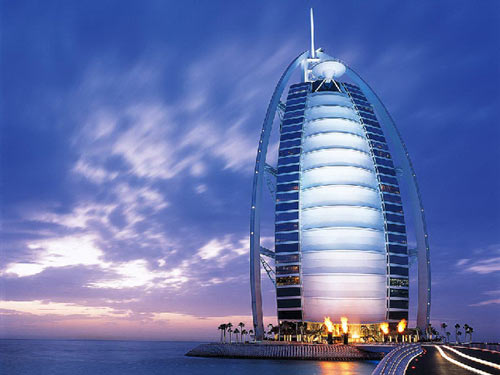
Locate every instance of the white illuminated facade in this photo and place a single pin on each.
(341, 221)
(335, 172)
(340, 233)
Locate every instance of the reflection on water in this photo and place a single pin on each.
(347, 368)
(82, 357)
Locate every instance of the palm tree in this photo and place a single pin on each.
(225, 331)
(222, 328)
(229, 326)
(443, 327)
(434, 332)
(428, 331)
(459, 333)
(448, 336)
(269, 334)
(241, 325)
(244, 333)
(299, 330)
(230, 330)
(466, 331)
(250, 333)
(270, 328)
(457, 327)
(286, 329)
(236, 331)
(471, 331)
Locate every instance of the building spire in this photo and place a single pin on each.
(313, 52)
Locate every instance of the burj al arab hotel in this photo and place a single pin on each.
(341, 244)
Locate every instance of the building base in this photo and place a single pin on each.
(317, 352)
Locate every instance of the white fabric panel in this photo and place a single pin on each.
(330, 111)
(332, 125)
(338, 175)
(338, 156)
(341, 216)
(344, 286)
(340, 195)
(329, 140)
(342, 239)
(343, 261)
(342, 226)
(329, 98)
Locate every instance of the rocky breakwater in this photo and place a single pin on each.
(318, 352)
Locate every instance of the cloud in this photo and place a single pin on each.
(487, 302)
(223, 249)
(201, 188)
(125, 146)
(492, 292)
(491, 301)
(60, 320)
(160, 139)
(115, 229)
(485, 261)
(133, 152)
(461, 262)
(94, 173)
(38, 307)
(137, 273)
(76, 267)
(58, 252)
(82, 251)
(484, 266)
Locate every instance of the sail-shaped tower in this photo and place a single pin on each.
(341, 247)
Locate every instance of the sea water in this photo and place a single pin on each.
(75, 357)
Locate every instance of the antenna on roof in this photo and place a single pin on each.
(313, 52)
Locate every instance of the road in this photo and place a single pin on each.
(434, 362)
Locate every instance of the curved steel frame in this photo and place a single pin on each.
(258, 178)
(401, 155)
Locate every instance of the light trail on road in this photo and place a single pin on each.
(482, 361)
(460, 364)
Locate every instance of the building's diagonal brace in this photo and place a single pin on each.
(266, 252)
(269, 270)
(271, 170)
(271, 179)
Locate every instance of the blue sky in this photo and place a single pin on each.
(129, 133)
